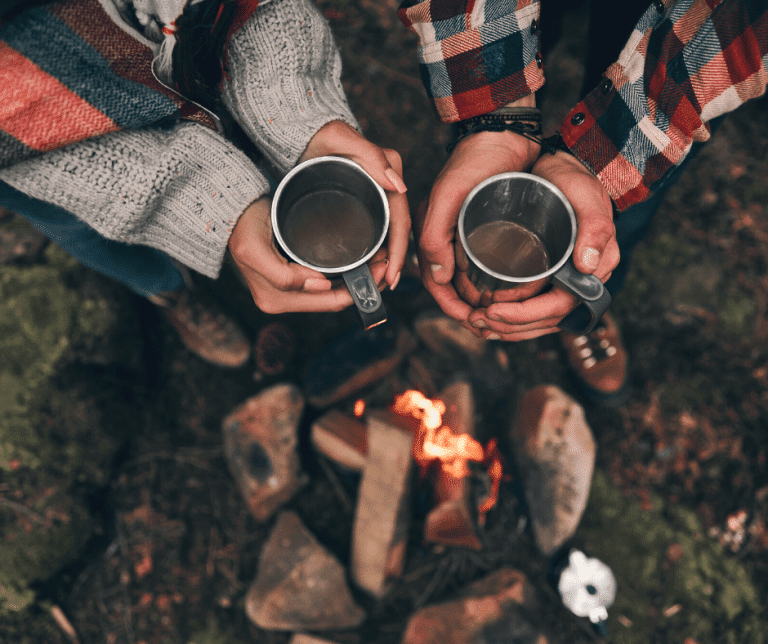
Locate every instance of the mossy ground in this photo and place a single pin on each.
(116, 504)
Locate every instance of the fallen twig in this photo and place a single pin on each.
(64, 624)
(20, 507)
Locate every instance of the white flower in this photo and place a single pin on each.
(587, 587)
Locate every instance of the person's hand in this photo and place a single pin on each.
(475, 158)
(596, 252)
(280, 286)
(277, 285)
(386, 168)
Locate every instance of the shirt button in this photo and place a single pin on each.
(606, 85)
(659, 6)
(578, 118)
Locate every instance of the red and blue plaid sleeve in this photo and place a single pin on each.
(686, 63)
(475, 55)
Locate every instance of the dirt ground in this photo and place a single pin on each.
(177, 549)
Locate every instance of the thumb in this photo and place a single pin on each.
(596, 230)
(435, 244)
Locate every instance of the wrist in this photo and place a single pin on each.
(522, 152)
(518, 123)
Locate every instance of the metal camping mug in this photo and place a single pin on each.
(328, 214)
(518, 231)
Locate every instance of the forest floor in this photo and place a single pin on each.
(177, 551)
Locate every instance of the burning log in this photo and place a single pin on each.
(438, 444)
(383, 505)
(452, 521)
(342, 439)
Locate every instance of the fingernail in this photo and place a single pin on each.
(395, 179)
(480, 324)
(316, 284)
(395, 282)
(493, 336)
(435, 268)
(590, 257)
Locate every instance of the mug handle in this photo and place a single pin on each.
(366, 296)
(588, 288)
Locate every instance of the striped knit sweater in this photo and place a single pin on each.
(84, 125)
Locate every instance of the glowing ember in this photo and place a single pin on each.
(359, 408)
(437, 442)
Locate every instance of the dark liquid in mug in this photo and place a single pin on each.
(509, 249)
(329, 228)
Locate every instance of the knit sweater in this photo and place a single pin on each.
(182, 188)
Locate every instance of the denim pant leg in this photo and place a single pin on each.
(144, 270)
(632, 226)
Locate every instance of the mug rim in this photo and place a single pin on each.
(501, 276)
(276, 199)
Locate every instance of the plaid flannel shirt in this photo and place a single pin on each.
(686, 62)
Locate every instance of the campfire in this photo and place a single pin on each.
(438, 435)
(418, 463)
(438, 443)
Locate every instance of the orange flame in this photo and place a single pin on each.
(359, 408)
(436, 442)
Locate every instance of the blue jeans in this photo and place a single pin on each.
(144, 270)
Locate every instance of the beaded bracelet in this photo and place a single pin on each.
(525, 121)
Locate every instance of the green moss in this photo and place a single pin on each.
(653, 262)
(50, 437)
(212, 634)
(716, 593)
(736, 313)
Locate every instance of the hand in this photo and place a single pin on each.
(385, 166)
(596, 252)
(475, 158)
(277, 285)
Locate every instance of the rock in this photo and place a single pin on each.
(299, 584)
(444, 335)
(489, 610)
(260, 439)
(555, 453)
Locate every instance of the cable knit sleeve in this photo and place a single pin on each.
(283, 79)
(179, 190)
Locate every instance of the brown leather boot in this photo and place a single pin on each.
(204, 328)
(598, 361)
